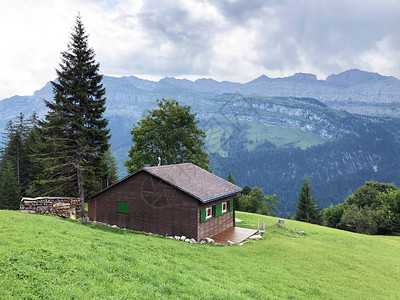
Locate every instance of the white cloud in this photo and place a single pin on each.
(383, 57)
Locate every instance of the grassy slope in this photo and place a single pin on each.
(281, 136)
(45, 257)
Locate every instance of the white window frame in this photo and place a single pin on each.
(210, 208)
(226, 207)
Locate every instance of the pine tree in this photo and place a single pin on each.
(17, 144)
(112, 169)
(75, 130)
(34, 145)
(307, 208)
(9, 189)
(14, 150)
(230, 177)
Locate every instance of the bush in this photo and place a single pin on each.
(373, 209)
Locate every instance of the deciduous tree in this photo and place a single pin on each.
(374, 208)
(256, 202)
(170, 132)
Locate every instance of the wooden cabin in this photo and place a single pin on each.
(181, 199)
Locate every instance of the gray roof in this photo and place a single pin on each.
(190, 179)
(195, 181)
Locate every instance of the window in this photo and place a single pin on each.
(224, 207)
(122, 207)
(215, 211)
(209, 212)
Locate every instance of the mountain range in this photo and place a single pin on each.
(270, 131)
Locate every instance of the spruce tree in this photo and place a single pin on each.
(9, 188)
(34, 145)
(14, 150)
(230, 177)
(307, 208)
(75, 129)
(17, 146)
(112, 169)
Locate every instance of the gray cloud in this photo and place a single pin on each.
(320, 36)
(226, 39)
(244, 11)
(327, 35)
(178, 42)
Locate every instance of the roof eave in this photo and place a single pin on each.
(220, 196)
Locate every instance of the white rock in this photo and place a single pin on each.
(183, 238)
(114, 226)
(177, 237)
(301, 232)
(207, 240)
(187, 240)
(193, 241)
(230, 243)
(170, 237)
(255, 237)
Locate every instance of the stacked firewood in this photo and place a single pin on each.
(61, 209)
(66, 207)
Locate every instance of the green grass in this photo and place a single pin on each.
(257, 133)
(281, 137)
(43, 257)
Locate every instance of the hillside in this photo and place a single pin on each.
(371, 151)
(43, 257)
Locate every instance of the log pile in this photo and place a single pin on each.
(66, 207)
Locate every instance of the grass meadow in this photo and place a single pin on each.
(44, 257)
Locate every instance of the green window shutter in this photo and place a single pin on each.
(122, 207)
(218, 209)
(202, 215)
(230, 205)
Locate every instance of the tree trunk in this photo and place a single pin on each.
(81, 193)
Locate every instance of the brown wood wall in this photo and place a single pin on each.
(92, 209)
(154, 206)
(216, 225)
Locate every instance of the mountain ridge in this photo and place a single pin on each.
(242, 121)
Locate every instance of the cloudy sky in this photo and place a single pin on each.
(226, 40)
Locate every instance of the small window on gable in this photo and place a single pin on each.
(224, 207)
(209, 212)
